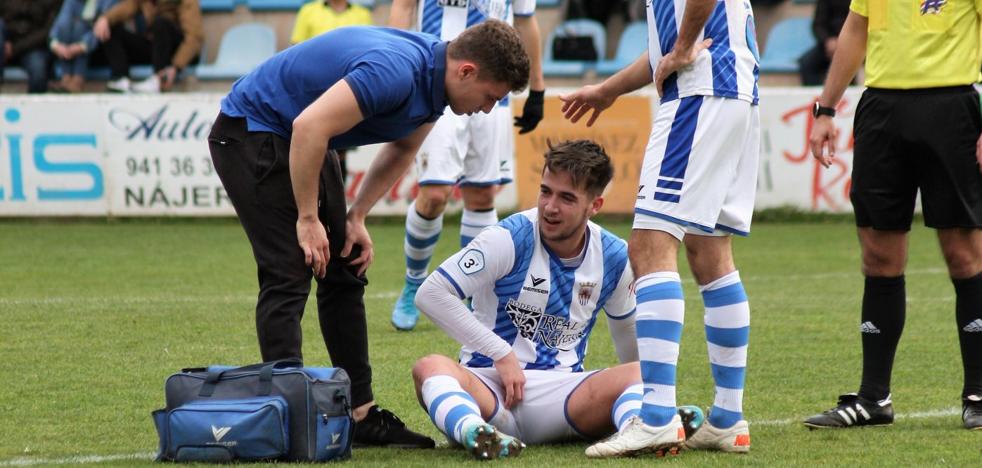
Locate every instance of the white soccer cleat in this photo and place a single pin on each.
(636, 438)
(735, 439)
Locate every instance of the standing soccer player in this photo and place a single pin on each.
(271, 148)
(917, 126)
(474, 152)
(698, 183)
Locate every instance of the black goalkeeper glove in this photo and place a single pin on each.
(531, 113)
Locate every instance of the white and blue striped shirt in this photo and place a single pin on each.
(544, 309)
(728, 68)
(448, 18)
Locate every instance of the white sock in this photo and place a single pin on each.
(450, 408)
(727, 323)
(473, 222)
(627, 405)
(661, 310)
(421, 237)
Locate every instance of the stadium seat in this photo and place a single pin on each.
(787, 41)
(548, 3)
(243, 47)
(370, 4)
(218, 5)
(633, 42)
(273, 5)
(574, 27)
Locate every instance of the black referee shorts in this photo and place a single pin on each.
(924, 139)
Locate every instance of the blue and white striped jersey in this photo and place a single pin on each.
(526, 295)
(448, 18)
(728, 68)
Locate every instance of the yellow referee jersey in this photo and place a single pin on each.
(921, 43)
(316, 18)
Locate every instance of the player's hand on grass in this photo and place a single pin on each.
(585, 99)
(512, 379)
(313, 240)
(822, 140)
(532, 112)
(357, 234)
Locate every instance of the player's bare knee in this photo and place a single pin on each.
(428, 366)
(478, 198)
(883, 263)
(432, 200)
(962, 263)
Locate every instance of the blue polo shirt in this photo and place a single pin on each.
(397, 77)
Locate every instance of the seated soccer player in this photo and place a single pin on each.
(539, 280)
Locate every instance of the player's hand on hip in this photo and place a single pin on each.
(583, 100)
(532, 112)
(313, 240)
(357, 234)
(822, 140)
(512, 379)
(677, 60)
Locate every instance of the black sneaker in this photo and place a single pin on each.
(972, 412)
(381, 428)
(854, 410)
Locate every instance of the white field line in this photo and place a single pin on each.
(80, 459)
(250, 299)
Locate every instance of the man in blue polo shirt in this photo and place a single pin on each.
(271, 147)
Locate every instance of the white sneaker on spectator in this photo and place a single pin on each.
(119, 85)
(735, 439)
(150, 85)
(636, 438)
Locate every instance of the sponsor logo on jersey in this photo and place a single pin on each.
(535, 282)
(552, 331)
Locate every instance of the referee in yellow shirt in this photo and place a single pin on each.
(321, 16)
(917, 126)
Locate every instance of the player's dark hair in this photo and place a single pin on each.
(497, 50)
(585, 161)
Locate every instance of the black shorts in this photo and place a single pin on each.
(924, 139)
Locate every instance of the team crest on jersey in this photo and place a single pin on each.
(549, 330)
(932, 7)
(586, 291)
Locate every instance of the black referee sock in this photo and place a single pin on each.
(884, 311)
(968, 314)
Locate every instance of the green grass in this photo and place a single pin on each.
(95, 315)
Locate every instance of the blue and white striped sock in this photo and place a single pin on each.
(473, 222)
(450, 408)
(421, 237)
(627, 405)
(661, 311)
(727, 335)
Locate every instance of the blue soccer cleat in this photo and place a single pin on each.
(404, 314)
(485, 442)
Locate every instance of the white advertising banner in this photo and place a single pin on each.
(110, 155)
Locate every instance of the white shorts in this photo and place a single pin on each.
(540, 418)
(700, 168)
(476, 150)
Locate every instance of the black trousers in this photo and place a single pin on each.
(254, 168)
(157, 47)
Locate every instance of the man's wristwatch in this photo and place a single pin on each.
(819, 110)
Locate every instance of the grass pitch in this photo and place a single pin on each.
(97, 314)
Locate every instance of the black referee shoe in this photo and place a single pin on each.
(854, 410)
(381, 428)
(972, 412)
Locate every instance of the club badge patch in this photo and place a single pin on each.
(471, 262)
